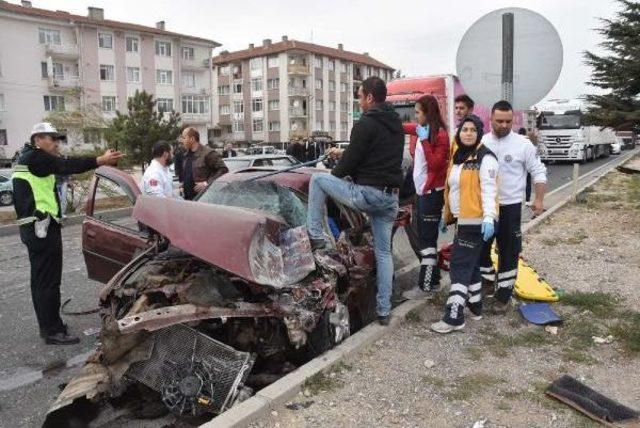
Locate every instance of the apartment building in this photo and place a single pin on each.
(278, 91)
(81, 69)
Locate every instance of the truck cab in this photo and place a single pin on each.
(564, 136)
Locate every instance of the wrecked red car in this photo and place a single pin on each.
(208, 300)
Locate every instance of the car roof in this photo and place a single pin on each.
(249, 157)
(297, 179)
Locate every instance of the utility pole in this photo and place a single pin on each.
(507, 56)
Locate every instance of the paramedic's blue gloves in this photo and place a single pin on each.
(487, 230)
(443, 226)
(422, 132)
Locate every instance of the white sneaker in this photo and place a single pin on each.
(475, 317)
(417, 293)
(444, 328)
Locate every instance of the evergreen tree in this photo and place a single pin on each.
(618, 71)
(137, 131)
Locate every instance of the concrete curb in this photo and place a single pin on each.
(285, 388)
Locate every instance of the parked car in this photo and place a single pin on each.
(6, 188)
(207, 298)
(616, 146)
(261, 150)
(253, 161)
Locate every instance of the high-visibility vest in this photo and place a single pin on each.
(43, 190)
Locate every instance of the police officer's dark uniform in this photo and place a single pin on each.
(36, 201)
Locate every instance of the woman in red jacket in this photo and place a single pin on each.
(430, 163)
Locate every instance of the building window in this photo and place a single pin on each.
(256, 85)
(273, 83)
(1, 102)
(163, 48)
(132, 44)
(108, 104)
(164, 104)
(258, 125)
(274, 105)
(133, 74)
(3, 137)
(317, 61)
(92, 136)
(49, 37)
(255, 63)
(318, 83)
(343, 87)
(105, 41)
(107, 72)
(237, 88)
(332, 85)
(164, 77)
(223, 70)
(344, 106)
(188, 53)
(332, 106)
(332, 65)
(273, 61)
(319, 125)
(274, 126)
(238, 107)
(238, 126)
(319, 105)
(195, 104)
(58, 70)
(332, 125)
(188, 79)
(224, 89)
(343, 67)
(53, 103)
(44, 70)
(344, 126)
(225, 109)
(237, 71)
(256, 104)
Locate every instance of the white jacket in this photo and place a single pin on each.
(488, 188)
(157, 181)
(517, 156)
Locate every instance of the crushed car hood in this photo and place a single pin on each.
(232, 239)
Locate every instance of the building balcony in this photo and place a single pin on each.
(194, 64)
(64, 82)
(297, 112)
(194, 90)
(298, 69)
(357, 77)
(62, 51)
(298, 92)
(196, 118)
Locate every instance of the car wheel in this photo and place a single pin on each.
(6, 198)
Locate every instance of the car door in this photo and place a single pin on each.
(111, 237)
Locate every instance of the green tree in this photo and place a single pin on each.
(135, 133)
(617, 71)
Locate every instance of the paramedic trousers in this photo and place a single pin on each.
(45, 256)
(430, 207)
(509, 241)
(465, 274)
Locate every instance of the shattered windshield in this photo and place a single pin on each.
(259, 195)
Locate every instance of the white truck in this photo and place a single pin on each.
(563, 136)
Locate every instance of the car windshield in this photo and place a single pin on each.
(236, 164)
(259, 195)
(560, 121)
(407, 112)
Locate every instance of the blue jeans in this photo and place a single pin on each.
(382, 209)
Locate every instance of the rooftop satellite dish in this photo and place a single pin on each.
(513, 54)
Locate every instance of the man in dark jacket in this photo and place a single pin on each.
(297, 150)
(38, 211)
(201, 164)
(367, 178)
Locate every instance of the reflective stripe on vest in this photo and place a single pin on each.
(43, 190)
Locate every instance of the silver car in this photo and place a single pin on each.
(6, 188)
(257, 161)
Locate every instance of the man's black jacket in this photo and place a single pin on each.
(374, 154)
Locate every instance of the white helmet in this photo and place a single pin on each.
(47, 128)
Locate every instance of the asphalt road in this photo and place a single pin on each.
(31, 372)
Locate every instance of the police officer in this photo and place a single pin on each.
(38, 211)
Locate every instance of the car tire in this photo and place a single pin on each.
(6, 198)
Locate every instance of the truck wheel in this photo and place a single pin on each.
(6, 198)
(584, 157)
(607, 151)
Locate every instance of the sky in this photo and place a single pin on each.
(418, 37)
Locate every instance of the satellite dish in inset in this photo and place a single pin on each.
(511, 53)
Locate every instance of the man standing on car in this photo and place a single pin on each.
(367, 178)
(157, 179)
(201, 164)
(38, 212)
(516, 157)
